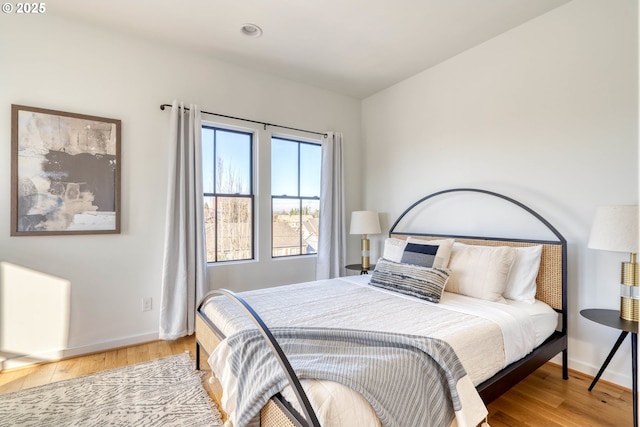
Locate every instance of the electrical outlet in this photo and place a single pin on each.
(146, 304)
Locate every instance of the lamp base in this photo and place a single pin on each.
(629, 309)
(365, 253)
(630, 291)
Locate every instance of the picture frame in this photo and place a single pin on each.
(65, 173)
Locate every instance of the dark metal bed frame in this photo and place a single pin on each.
(502, 381)
(490, 389)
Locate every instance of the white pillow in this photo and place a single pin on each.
(393, 249)
(480, 271)
(521, 284)
(443, 253)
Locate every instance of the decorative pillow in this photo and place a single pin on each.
(480, 271)
(427, 253)
(420, 282)
(521, 284)
(393, 249)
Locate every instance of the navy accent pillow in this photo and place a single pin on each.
(422, 255)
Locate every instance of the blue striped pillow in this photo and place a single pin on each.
(414, 280)
(419, 254)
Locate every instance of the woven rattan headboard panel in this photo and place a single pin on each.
(549, 281)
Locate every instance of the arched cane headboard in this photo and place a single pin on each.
(551, 281)
(552, 276)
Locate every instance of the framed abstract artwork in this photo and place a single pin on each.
(65, 173)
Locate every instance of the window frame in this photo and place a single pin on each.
(215, 196)
(299, 142)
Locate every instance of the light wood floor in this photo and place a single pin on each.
(543, 399)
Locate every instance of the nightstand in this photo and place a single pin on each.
(358, 267)
(611, 318)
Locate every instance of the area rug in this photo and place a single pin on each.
(163, 392)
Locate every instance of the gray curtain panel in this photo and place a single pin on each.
(332, 245)
(184, 269)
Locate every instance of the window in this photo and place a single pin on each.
(295, 197)
(227, 169)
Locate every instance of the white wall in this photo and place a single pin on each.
(45, 330)
(546, 113)
(50, 62)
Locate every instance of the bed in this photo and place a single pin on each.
(495, 353)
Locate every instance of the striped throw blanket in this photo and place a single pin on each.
(408, 380)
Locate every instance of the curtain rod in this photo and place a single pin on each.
(162, 107)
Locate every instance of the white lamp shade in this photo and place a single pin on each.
(615, 228)
(364, 222)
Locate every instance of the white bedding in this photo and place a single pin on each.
(519, 321)
(487, 336)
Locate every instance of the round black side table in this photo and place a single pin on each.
(611, 318)
(358, 267)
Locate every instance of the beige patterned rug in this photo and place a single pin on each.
(163, 392)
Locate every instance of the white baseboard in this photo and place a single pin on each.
(615, 377)
(619, 378)
(52, 355)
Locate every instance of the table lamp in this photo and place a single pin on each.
(615, 228)
(364, 222)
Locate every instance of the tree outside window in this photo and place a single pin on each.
(227, 165)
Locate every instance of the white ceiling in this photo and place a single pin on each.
(353, 47)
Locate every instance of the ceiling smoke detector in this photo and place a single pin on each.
(251, 30)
